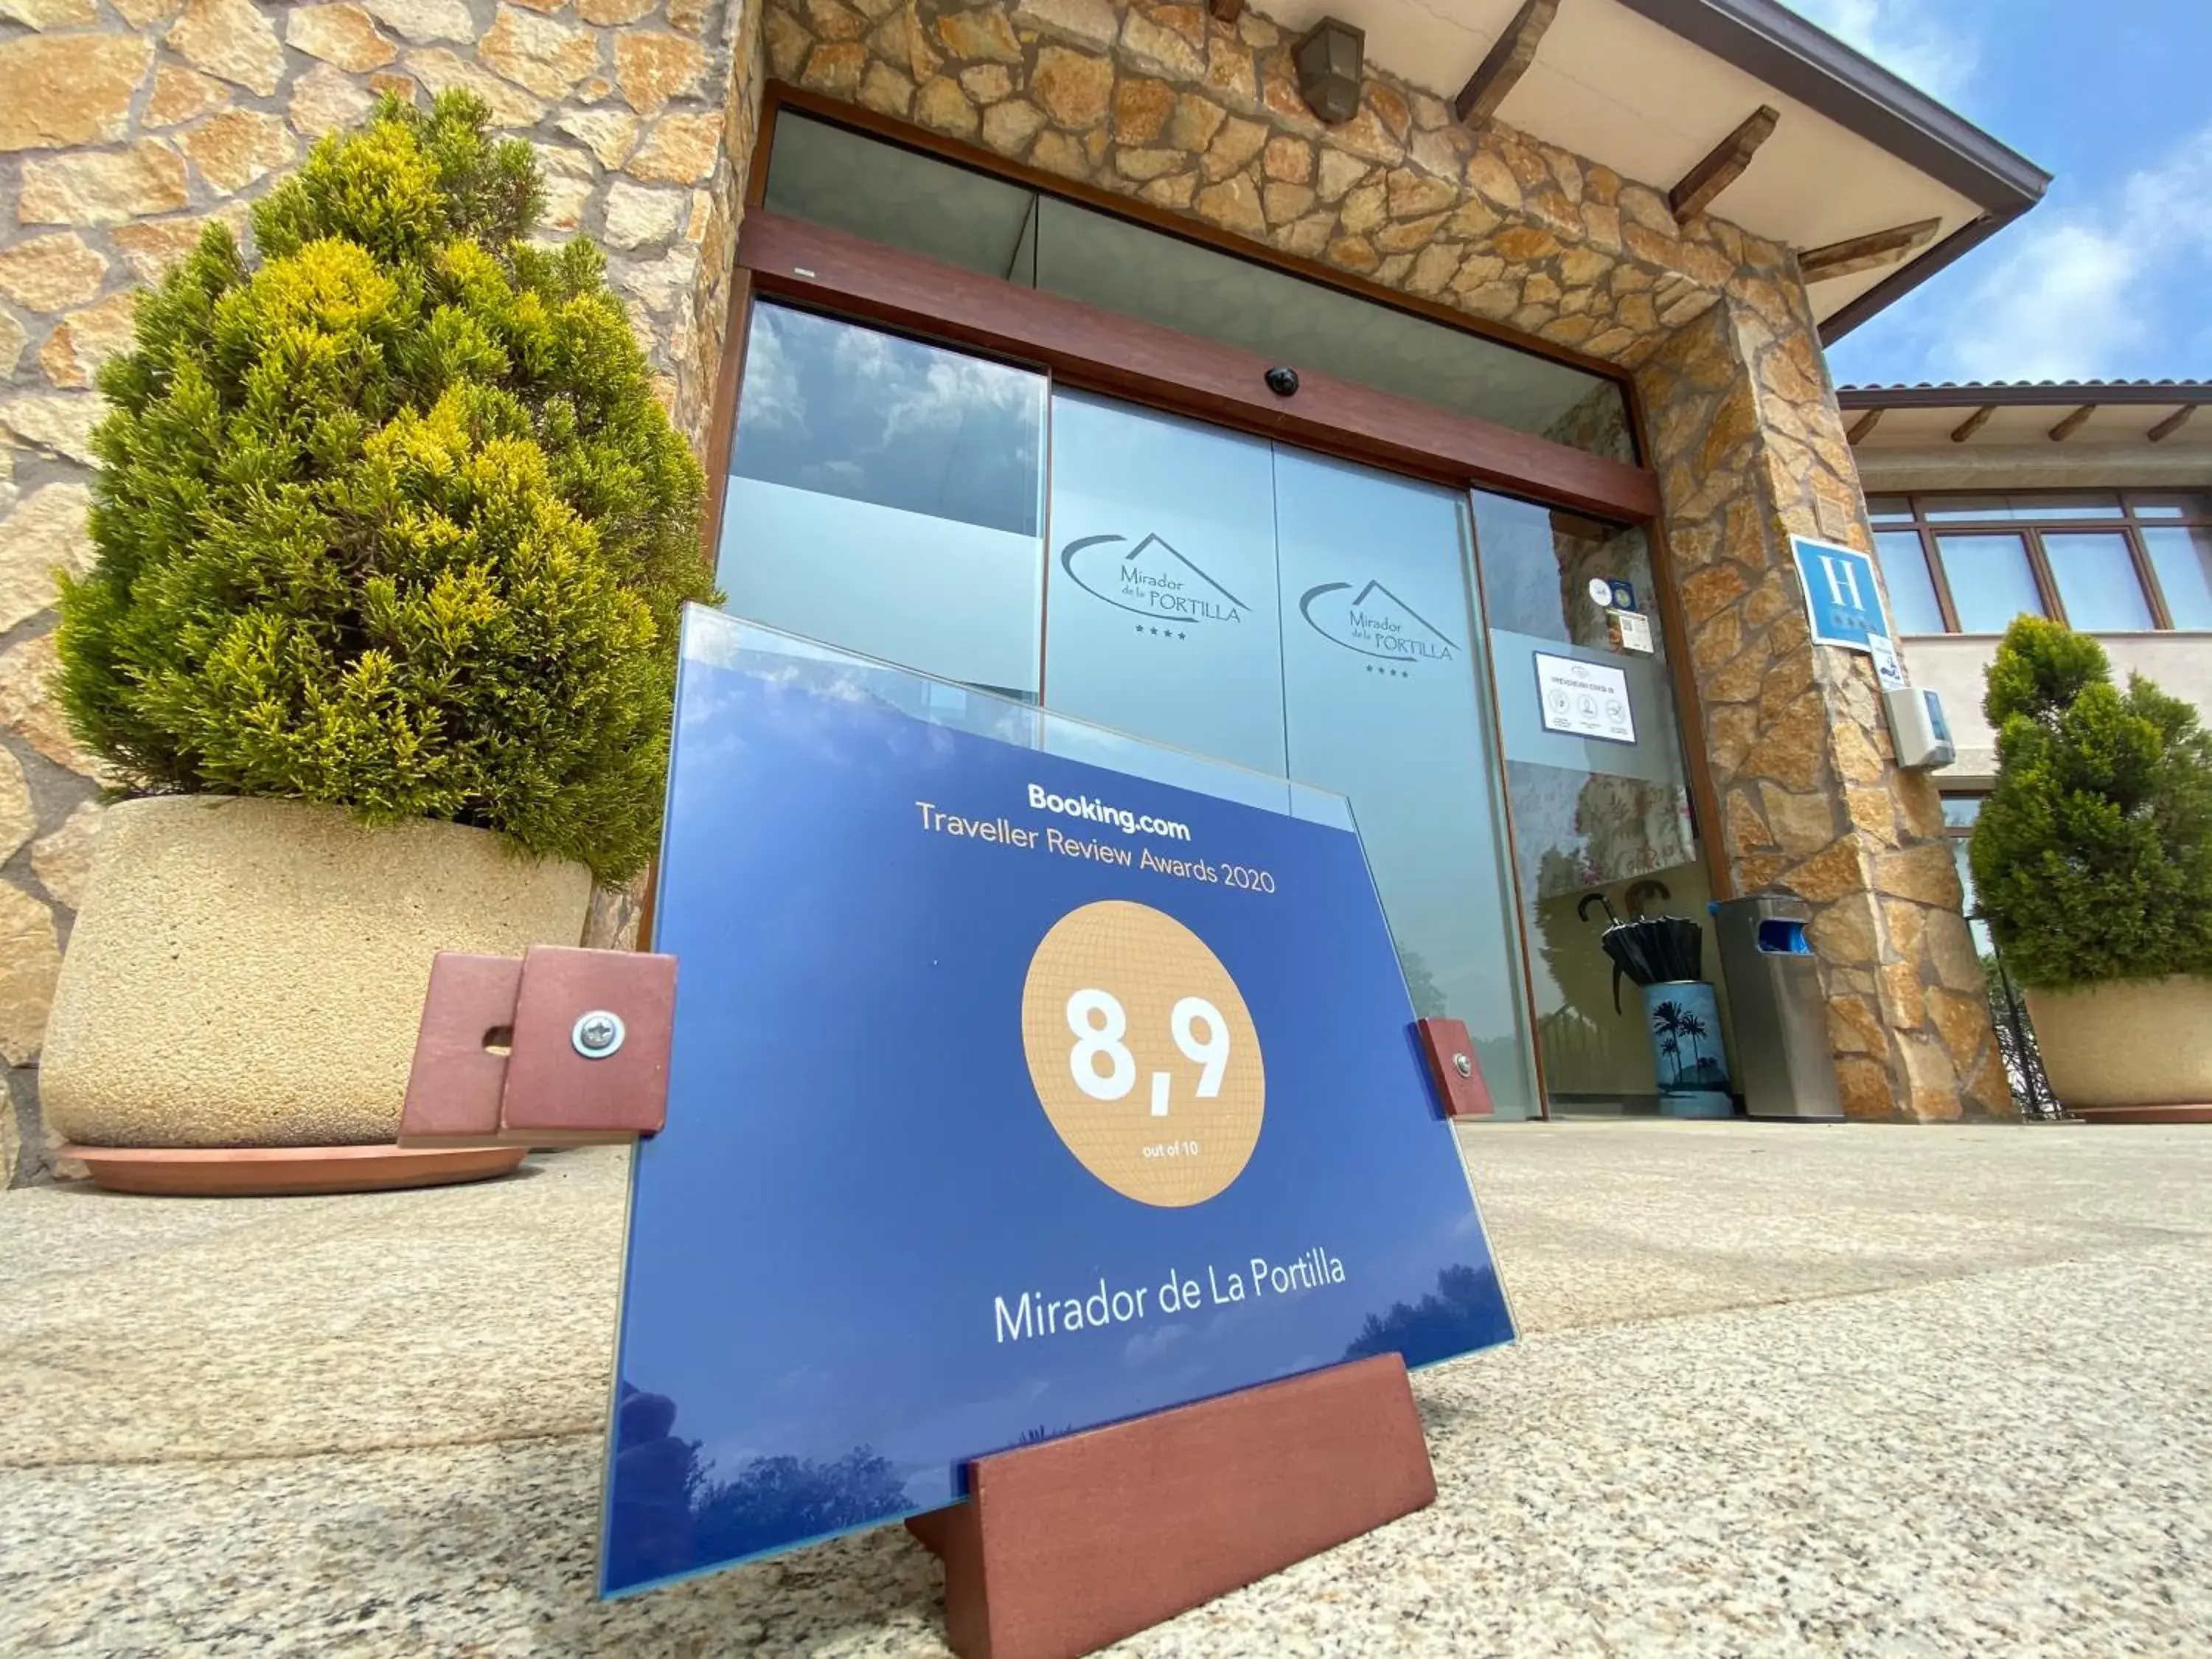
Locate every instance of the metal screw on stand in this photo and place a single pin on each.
(597, 1034)
(1462, 1064)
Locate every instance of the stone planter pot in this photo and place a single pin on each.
(249, 973)
(2131, 1051)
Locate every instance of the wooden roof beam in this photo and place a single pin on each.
(1724, 165)
(1972, 423)
(1863, 427)
(2172, 424)
(2072, 424)
(1858, 253)
(1507, 61)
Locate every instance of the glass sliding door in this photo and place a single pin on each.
(1304, 617)
(886, 496)
(1311, 619)
(1160, 613)
(1599, 801)
(1385, 695)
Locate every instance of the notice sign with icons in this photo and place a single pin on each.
(1583, 699)
(1026, 1078)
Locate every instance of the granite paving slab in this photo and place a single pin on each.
(1858, 1391)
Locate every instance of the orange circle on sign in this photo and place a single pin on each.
(1143, 1054)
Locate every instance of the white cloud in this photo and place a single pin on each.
(2088, 292)
(1912, 39)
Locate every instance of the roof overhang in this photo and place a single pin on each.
(2002, 414)
(1651, 87)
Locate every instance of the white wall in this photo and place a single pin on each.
(1951, 665)
(1895, 470)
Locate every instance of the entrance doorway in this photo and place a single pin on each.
(1247, 599)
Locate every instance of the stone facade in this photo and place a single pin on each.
(1167, 105)
(1750, 450)
(128, 124)
(130, 121)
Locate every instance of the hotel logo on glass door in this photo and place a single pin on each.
(1151, 578)
(1376, 622)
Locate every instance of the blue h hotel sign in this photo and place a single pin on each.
(1841, 595)
(1026, 1078)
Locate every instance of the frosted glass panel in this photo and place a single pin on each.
(1654, 757)
(948, 598)
(1160, 604)
(1382, 689)
(884, 497)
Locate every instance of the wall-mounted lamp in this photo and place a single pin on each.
(1328, 60)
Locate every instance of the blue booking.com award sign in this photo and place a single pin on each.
(1016, 1089)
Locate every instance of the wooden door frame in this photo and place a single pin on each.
(1099, 350)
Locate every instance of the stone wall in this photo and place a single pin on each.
(1751, 450)
(1167, 105)
(127, 124)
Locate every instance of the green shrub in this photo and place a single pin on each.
(2092, 856)
(389, 519)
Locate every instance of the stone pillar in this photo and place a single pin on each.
(127, 126)
(1750, 450)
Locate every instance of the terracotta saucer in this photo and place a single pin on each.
(273, 1171)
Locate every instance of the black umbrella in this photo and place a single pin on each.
(1650, 950)
(1682, 948)
(1626, 942)
(1676, 945)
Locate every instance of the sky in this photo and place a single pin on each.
(2109, 277)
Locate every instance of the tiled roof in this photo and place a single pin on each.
(1968, 390)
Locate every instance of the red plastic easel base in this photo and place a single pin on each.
(1067, 1546)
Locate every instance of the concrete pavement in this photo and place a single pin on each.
(1784, 1390)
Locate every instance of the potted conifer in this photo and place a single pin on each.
(2092, 860)
(391, 538)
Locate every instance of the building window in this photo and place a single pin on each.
(2105, 562)
(1959, 814)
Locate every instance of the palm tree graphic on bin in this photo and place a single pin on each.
(1673, 1024)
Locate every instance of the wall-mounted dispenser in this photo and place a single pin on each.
(1917, 728)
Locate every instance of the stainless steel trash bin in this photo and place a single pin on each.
(1783, 1062)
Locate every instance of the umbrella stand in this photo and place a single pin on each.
(1665, 955)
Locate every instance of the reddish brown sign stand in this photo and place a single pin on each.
(1063, 1547)
(1066, 1546)
(559, 1047)
(1452, 1068)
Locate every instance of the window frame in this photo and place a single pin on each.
(2124, 521)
